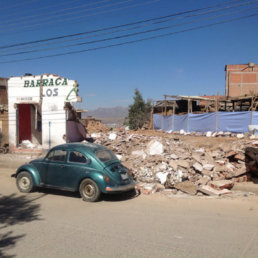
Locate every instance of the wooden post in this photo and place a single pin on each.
(188, 109)
(217, 107)
(173, 116)
(151, 118)
(165, 105)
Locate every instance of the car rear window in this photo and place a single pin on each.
(105, 155)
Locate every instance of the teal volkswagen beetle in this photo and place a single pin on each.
(88, 168)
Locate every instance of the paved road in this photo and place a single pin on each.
(58, 224)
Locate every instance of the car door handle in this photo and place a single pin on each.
(62, 166)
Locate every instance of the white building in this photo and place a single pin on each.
(39, 109)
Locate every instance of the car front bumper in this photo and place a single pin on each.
(121, 188)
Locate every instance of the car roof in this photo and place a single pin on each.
(80, 146)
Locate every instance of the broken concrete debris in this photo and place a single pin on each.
(159, 163)
(208, 190)
(154, 148)
(222, 184)
(187, 187)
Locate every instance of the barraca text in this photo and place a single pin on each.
(46, 82)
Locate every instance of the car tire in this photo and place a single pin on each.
(89, 190)
(24, 182)
(132, 193)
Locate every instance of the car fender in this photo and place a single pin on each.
(98, 178)
(33, 172)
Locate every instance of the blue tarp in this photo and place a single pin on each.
(202, 122)
(255, 118)
(167, 123)
(157, 121)
(235, 122)
(180, 122)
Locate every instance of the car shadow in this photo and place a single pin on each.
(120, 197)
(59, 192)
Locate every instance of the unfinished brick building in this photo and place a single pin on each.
(241, 80)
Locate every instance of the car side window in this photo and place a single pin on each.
(50, 155)
(57, 155)
(77, 157)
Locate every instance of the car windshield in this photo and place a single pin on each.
(105, 155)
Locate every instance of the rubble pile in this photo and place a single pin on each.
(159, 163)
(99, 127)
(92, 125)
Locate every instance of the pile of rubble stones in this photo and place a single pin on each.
(159, 163)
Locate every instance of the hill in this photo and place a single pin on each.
(114, 115)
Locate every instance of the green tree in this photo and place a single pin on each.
(139, 111)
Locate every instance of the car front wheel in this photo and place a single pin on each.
(89, 190)
(24, 182)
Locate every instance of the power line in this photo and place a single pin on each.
(78, 18)
(118, 26)
(127, 29)
(20, 20)
(20, 4)
(44, 7)
(129, 42)
(69, 18)
(133, 34)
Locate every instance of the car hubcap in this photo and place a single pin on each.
(89, 190)
(24, 183)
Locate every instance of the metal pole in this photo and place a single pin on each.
(66, 124)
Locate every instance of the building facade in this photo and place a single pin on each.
(241, 80)
(38, 109)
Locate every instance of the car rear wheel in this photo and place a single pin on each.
(89, 190)
(24, 182)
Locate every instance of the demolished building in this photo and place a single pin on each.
(235, 112)
(41, 110)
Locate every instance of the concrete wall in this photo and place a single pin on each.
(241, 80)
(4, 128)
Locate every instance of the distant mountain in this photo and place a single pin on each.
(109, 115)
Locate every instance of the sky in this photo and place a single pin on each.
(181, 54)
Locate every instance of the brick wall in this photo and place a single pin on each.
(241, 80)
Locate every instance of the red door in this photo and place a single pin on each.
(24, 122)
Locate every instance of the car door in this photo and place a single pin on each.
(78, 166)
(56, 168)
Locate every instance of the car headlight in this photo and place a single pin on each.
(106, 178)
